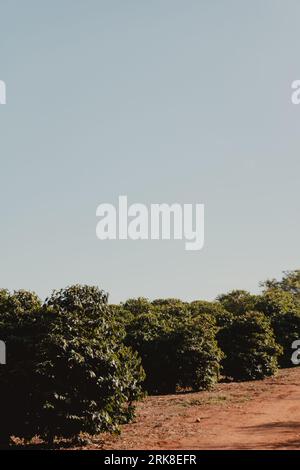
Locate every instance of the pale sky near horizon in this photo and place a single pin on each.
(161, 100)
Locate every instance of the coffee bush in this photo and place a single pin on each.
(249, 346)
(67, 370)
(177, 351)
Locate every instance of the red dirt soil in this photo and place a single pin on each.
(248, 415)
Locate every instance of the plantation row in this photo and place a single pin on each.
(77, 364)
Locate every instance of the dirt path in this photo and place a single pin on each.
(249, 415)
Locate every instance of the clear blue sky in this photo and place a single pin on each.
(164, 101)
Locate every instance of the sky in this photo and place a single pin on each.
(164, 101)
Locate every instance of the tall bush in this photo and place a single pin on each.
(249, 346)
(179, 351)
(282, 308)
(68, 368)
(21, 328)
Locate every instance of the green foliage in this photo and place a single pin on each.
(282, 307)
(85, 300)
(249, 345)
(90, 378)
(76, 364)
(137, 306)
(238, 302)
(286, 328)
(290, 282)
(215, 309)
(170, 311)
(132, 308)
(125, 312)
(276, 302)
(176, 351)
(67, 369)
(19, 302)
(168, 303)
(20, 394)
(120, 315)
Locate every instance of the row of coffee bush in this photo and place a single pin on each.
(67, 369)
(192, 345)
(77, 364)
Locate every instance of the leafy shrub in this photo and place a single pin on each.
(120, 315)
(286, 328)
(21, 331)
(75, 364)
(68, 368)
(214, 309)
(249, 346)
(238, 302)
(282, 308)
(276, 301)
(290, 282)
(172, 311)
(168, 303)
(19, 302)
(176, 351)
(137, 306)
(91, 379)
(87, 301)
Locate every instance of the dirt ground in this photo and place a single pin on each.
(249, 415)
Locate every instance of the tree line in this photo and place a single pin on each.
(77, 364)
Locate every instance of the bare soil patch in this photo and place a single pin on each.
(249, 415)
